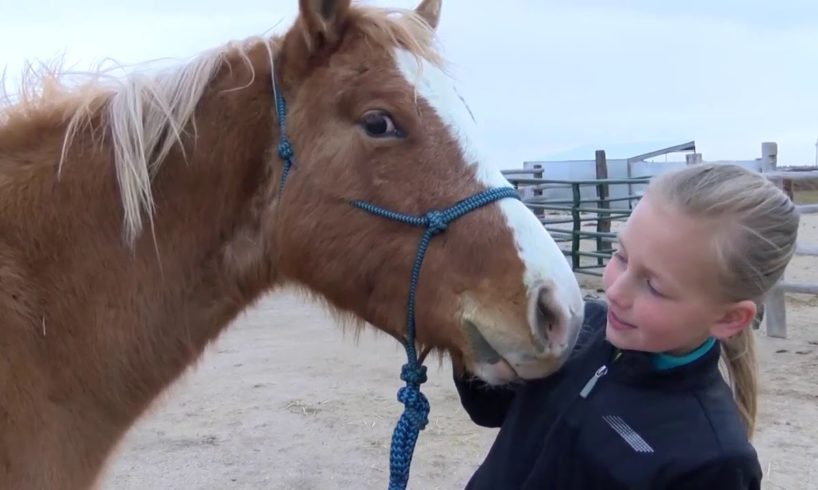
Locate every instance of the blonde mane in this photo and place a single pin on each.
(146, 113)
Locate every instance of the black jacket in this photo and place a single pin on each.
(635, 428)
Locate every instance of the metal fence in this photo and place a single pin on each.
(565, 218)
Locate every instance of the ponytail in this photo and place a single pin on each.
(739, 356)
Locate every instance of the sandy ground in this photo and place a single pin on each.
(287, 400)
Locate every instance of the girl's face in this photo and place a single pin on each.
(661, 284)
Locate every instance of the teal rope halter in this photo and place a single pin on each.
(413, 373)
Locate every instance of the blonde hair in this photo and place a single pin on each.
(756, 241)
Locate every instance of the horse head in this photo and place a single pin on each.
(372, 116)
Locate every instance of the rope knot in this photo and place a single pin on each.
(436, 222)
(417, 407)
(285, 150)
(413, 374)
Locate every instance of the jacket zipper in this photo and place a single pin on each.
(602, 371)
(586, 390)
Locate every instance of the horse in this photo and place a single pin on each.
(141, 214)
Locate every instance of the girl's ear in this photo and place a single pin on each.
(737, 317)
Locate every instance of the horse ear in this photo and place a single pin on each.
(322, 21)
(429, 10)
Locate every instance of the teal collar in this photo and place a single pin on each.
(664, 361)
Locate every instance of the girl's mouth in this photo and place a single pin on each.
(618, 324)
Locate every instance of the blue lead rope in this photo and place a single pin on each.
(415, 415)
(416, 406)
(285, 149)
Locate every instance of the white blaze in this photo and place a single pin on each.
(544, 262)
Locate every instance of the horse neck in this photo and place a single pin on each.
(126, 322)
(209, 253)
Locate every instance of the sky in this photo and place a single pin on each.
(545, 79)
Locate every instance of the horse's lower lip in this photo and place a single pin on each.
(500, 372)
(484, 352)
(490, 365)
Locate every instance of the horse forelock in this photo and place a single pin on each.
(145, 113)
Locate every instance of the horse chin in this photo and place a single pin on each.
(504, 372)
(497, 363)
(498, 373)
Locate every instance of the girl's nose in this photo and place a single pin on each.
(618, 291)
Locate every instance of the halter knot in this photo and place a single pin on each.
(436, 222)
(285, 150)
(413, 374)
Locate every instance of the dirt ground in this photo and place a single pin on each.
(288, 400)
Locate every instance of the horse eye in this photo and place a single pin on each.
(379, 124)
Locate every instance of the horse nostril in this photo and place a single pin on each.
(546, 318)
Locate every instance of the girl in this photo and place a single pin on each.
(641, 403)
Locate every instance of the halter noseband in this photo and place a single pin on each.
(413, 373)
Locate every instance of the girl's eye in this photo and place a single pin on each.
(379, 124)
(653, 289)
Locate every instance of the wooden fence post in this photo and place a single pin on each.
(775, 311)
(775, 305)
(603, 223)
(769, 156)
(577, 226)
